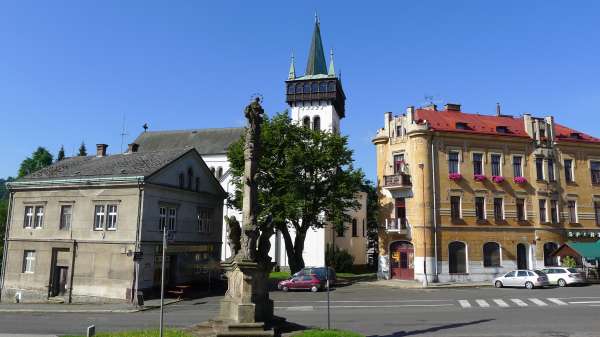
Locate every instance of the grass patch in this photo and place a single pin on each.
(279, 275)
(140, 333)
(328, 333)
(353, 276)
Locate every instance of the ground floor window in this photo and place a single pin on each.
(549, 248)
(29, 261)
(491, 254)
(457, 257)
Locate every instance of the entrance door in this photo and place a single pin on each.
(402, 260)
(521, 256)
(59, 282)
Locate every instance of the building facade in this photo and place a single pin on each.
(467, 197)
(90, 228)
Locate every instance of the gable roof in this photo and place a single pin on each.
(205, 141)
(118, 165)
(488, 125)
(588, 250)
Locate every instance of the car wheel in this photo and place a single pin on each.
(562, 283)
(498, 284)
(314, 289)
(528, 285)
(285, 288)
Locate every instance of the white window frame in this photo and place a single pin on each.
(544, 169)
(172, 219)
(569, 211)
(501, 163)
(460, 211)
(484, 207)
(521, 174)
(571, 170)
(524, 208)
(205, 219)
(28, 216)
(482, 161)
(162, 217)
(545, 211)
(38, 214)
(557, 211)
(61, 223)
(483, 254)
(590, 161)
(28, 262)
(503, 211)
(110, 225)
(458, 152)
(99, 225)
(547, 166)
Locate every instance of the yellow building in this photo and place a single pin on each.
(466, 197)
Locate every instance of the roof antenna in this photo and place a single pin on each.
(123, 133)
(145, 126)
(497, 109)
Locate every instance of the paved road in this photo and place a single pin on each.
(375, 311)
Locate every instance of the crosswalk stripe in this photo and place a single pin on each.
(556, 301)
(483, 303)
(464, 303)
(538, 302)
(519, 302)
(501, 303)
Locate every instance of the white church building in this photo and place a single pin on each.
(315, 100)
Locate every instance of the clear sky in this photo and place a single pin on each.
(70, 71)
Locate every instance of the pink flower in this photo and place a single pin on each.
(455, 176)
(479, 177)
(520, 180)
(498, 179)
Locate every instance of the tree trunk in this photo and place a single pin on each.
(293, 250)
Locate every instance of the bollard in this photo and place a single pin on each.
(91, 331)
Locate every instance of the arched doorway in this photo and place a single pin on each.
(521, 256)
(402, 256)
(549, 260)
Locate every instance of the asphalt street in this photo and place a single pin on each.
(372, 310)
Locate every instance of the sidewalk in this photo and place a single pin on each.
(84, 307)
(418, 285)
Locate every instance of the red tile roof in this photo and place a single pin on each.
(487, 124)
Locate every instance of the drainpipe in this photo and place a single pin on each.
(435, 227)
(138, 241)
(5, 251)
(73, 253)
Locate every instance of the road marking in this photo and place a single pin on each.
(585, 302)
(538, 302)
(357, 301)
(483, 303)
(464, 303)
(383, 306)
(556, 301)
(519, 302)
(501, 303)
(302, 308)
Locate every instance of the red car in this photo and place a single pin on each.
(311, 282)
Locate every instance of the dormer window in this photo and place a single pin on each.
(462, 126)
(502, 129)
(542, 132)
(575, 135)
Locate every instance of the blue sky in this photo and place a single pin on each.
(70, 71)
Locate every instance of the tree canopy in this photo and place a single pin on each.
(82, 150)
(40, 158)
(61, 153)
(305, 180)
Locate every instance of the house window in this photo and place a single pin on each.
(204, 220)
(181, 180)
(39, 216)
(551, 170)
(29, 261)
(354, 228)
(457, 257)
(517, 167)
(111, 219)
(491, 254)
(477, 163)
(520, 209)
(190, 173)
(172, 219)
(462, 126)
(480, 208)
(572, 207)
(453, 162)
(498, 209)
(99, 216)
(66, 213)
(595, 170)
(597, 211)
(568, 170)
(496, 170)
(554, 211)
(543, 210)
(539, 168)
(28, 220)
(306, 122)
(317, 123)
(455, 207)
(162, 218)
(549, 260)
(398, 163)
(219, 172)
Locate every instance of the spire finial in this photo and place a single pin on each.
(292, 72)
(331, 71)
(316, 57)
(316, 17)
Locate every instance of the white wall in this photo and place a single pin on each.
(329, 117)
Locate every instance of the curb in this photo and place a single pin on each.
(96, 311)
(419, 286)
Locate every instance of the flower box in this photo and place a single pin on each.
(520, 180)
(479, 177)
(498, 179)
(455, 176)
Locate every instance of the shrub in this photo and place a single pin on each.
(520, 180)
(339, 259)
(455, 176)
(568, 262)
(498, 179)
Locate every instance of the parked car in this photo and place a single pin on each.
(320, 272)
(522, 278)
(564, 276)
(307, 282)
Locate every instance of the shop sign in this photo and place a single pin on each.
(583, 234)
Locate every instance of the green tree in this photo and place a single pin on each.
(304, 177)
(568, 262)
(39, 159)
(61, 153)
(82, 150)
(372, 219)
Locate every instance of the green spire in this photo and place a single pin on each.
(316, 57)
(292, 73)
(331, 68)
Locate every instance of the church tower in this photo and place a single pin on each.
(316, 99)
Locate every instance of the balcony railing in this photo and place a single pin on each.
(397, 180)
(399, 225)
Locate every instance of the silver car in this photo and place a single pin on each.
(563, 276)
(522, 278)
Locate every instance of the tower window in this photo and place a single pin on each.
(323, 87)
(317, 123)
(315, 87)
(307, 88)
(291, 89)
(331, 86)
(298, 89)
(306, 122)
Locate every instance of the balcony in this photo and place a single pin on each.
(399, 226)
(397, 181)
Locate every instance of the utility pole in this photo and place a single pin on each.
(162, 279)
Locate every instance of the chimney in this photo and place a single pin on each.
(133, 147)
(430, 107)
(452, 107)
(410, 112)
(498, 113)
(101, 150)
